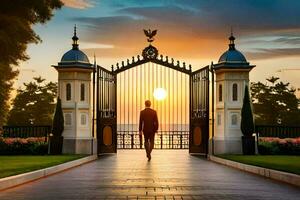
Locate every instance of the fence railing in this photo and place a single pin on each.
(163, 140)
(26, 131)
(277, 131)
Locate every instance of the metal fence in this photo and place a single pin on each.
(26, 131)
(277, 131)
(163, 140)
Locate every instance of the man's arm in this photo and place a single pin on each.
(156, 124)
(141, 123)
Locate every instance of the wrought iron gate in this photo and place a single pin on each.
(110, 138)
(173, 111)
(106, 111)
(199, 111)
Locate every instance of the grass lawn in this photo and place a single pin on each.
(283, 163)
(12, 165)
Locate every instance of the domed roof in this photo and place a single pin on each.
(232, 59)
(232, 55)
(75, 55)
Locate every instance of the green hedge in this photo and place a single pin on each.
(276, 146)
(17, 146)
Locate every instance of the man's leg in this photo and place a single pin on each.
(151, 140)
(146, 144)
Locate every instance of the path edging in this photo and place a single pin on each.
(286, 177)
(19, 179)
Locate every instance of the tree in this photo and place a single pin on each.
(16, 20)
(58, 120)
(34, 104)
(275, 103)
(247, 125)
(56, 140)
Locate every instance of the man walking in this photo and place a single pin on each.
(148, 125)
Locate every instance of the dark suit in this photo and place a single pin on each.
(149, 125)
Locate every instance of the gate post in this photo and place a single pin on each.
(74, 89)
(232, 75)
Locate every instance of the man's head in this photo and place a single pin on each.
(148, 103)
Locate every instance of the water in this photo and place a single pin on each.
(162, 127)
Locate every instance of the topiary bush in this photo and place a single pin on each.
(247, 126)
(247, 123)
(56, 140)
(58, 120)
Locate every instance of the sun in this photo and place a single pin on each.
(160, 94)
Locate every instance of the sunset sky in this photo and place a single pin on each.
(267, 32)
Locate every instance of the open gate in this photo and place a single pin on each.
(106, 111)
(107, 100)
(199, 111)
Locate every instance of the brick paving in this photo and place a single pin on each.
(171, 174)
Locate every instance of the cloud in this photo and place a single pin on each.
(195, 29)
(288, 40)
(78, 4)
(273, 53)
(125, 33)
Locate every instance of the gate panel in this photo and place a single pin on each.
(106, 111)
(137, 84)
(199, 111)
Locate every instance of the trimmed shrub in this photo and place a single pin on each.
(247, 125)
(58, 120)
(21, 146)
(277, 146)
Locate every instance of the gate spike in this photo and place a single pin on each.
(167, 59)
(117, 65)
(161, 57)
(138, 57)
(127, 61)
(172, 61)
(190, 67)
(112, 68)
(178, 64)
(133, 59)
(122, 63)
(184, 65)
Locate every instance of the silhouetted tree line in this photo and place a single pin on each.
(16, 20)
(275, 102)
(34, 103)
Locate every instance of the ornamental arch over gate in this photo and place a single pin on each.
(121, 93)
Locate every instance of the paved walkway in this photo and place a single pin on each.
(171, 174)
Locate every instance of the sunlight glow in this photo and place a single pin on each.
(160, 94)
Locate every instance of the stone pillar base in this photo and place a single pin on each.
(80, 146)
(228, 146)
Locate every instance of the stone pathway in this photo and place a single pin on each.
(171, 174)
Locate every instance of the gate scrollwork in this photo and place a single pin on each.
(150, 52)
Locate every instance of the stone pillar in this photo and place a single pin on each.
(75, 94)
(232, 75)
(230, 86)
(74, 88)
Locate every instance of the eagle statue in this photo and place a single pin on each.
(150, 34)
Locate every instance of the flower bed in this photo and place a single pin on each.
(23, 146)
(277, 146)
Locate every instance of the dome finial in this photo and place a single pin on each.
(231, 39)
(75, 39)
